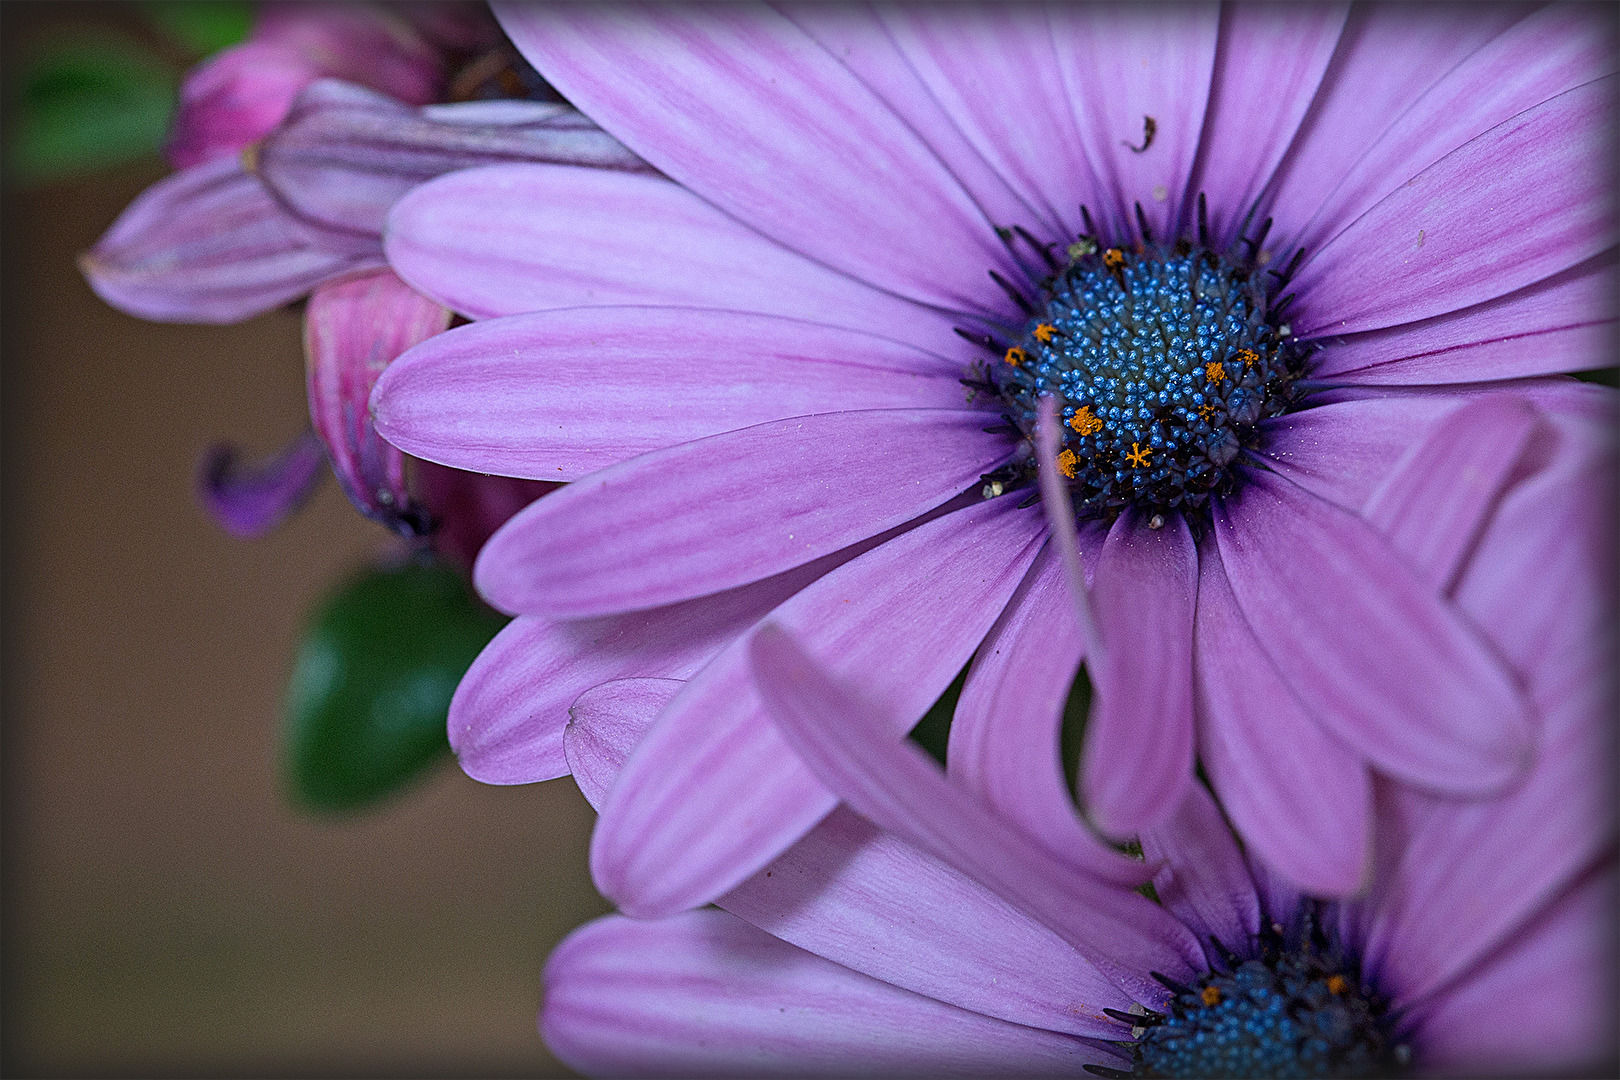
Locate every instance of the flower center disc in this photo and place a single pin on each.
(1164, 360)
(1294, 1016)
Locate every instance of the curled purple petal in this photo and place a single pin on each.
(354, 328)
(248, 500)
(346, 154)
(209, 245)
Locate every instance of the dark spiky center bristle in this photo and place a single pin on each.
(1297, 1007)
(1165, 360)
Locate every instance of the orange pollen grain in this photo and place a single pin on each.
(1214, 371)
(1016, 356)
(1211, 996)
(1084, 421)
(1139, 455)
(1044, 332)
(1336, 984)
(1206, 411)
(1249, 357)
(1113, 258)
(1066, 462)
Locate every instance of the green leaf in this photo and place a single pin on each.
(85, 102)
(202, 26)
(371, 686)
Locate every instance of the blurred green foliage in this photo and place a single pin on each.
(86, 101)
(202, 27)
(89, 97)
(371, 685)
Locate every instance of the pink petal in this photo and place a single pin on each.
(1004, 737)
(1202, 877)
(507, 239)
(713, 794)
(1267, 69)
(1299, 798)
(234, 97)
(1526, 199)
(1562, 323)
(900, 789)
(1366, 645)
(983, 64)
(557, 395)
(1363, 93)
(605, 723)
(1553, 50)
(1124, 65)
(345, 155)
(705, 994)
(1542, 1005)
(208, 245)
(730, 102)
(1137, 761)
(871, 902)
(353, 329)
(730, 509)
(509, 711)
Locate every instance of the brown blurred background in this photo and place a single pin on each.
(165, 911)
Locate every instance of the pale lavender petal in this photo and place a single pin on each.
(1301, 800)
(1563, 323)
(1469, 873)
(208, 245)
(1553, 50)
(732, 101)
(1363, 93)
(1343, 451)
(1004, 737)
(346, 154)
(1526, 199)
(869, 901)
(353, 329)
(877, 61)
(513, 238)
(1268, 65)
(1543, 1005)
(1202, 877)
(509, 710)
(249, 500)
(1438, 498)
(730, 509)
(705, 994)
(560, 394)
(899, 788)
(1369, 648)
(604, 724)
(984, 64)
(1124, 65)
(713, 794)
(1138, 755)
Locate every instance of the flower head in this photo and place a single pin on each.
(1251, 231)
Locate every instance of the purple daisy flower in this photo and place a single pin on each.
(1259, 256)
(916, 930)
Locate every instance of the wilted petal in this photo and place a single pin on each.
(209, 245)
(354, 328)
(347, 154)
(248, 500)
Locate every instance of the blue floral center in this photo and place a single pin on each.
(1295, 1009)
(1165, 360)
